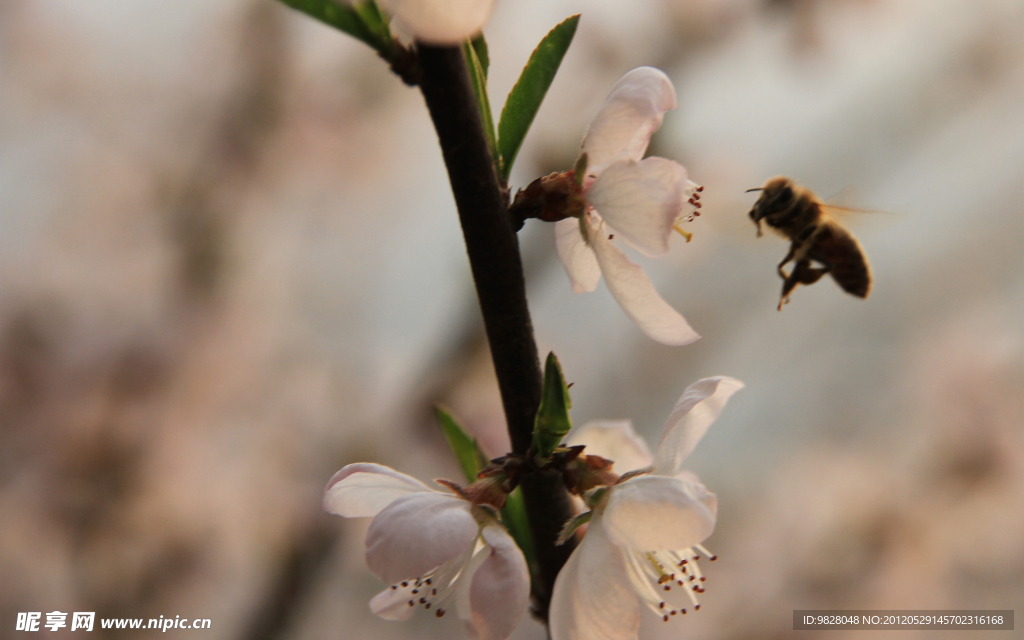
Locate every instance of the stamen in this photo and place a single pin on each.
(647, 571)
(682, 232)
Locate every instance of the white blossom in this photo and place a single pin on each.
(440, 21)
(640, 200)
(643, 540)
(435, 549)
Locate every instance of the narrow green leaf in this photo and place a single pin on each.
(553, 420)
(480, 46)
(376, 21)
(514, 517)
(579, 171)
(528, 93)
(478, 75)
(471, 460)
(340, 16)
(570, 527)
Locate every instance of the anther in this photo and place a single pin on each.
(440, 612)
(394, 586)
(696, 607)
(611, 236)
(426, 606)
(412, 604)
(683, 611)
(423, 600)
(405, 584)
(415, 591)
(713, 558)
(668, 588)
(673, 612)
(703, 578)
(661, 605)
(664, 618)
(433, 592)
(429, 581)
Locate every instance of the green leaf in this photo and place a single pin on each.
(553, 420)
(513, 516)
(480, 47)
(376, 21)
(468, 454)
(526, 96)
(346, 18)
(478, 75)
(570, 527)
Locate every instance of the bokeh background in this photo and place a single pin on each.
(230, 264)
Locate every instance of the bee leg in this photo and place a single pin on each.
(803, 273)
(789, 256)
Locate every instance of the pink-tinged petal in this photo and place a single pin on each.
(441, 21)
(655, 513)
(363, 489)
(392, 604)
(593, 598)
(500, 588)
(697, 408)
(417, 533)
(577, 258)
(614, 440)
(631, 113)
(635, 293)
(641, 201)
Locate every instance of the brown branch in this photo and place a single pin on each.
(498, 274)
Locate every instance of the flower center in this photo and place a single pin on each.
(436, 587)
(661, 578)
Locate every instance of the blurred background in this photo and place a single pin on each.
(230, 264)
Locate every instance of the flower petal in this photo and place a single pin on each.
(697, 408)
(655, 513)
(635, 292)
(614, 440)
(500, 588)
(593, 598)
(578, 259)
(417, 533)
(363, 489)
(631, 113)
(392, 604)
(441, 21)
(641, 200)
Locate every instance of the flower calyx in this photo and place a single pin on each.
(588, 472)
(549, 198)
(491, 490)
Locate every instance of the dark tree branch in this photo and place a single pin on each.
(498, 274)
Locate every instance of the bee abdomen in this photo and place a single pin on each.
(853, 275)
(838, 248)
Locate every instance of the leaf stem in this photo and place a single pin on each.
(501, 288)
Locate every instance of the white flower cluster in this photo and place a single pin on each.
(437, 550)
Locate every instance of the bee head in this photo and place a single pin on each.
(776, 194)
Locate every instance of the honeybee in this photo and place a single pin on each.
(816, 237)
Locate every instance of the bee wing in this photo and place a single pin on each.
(859, 218)
(843, 207)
